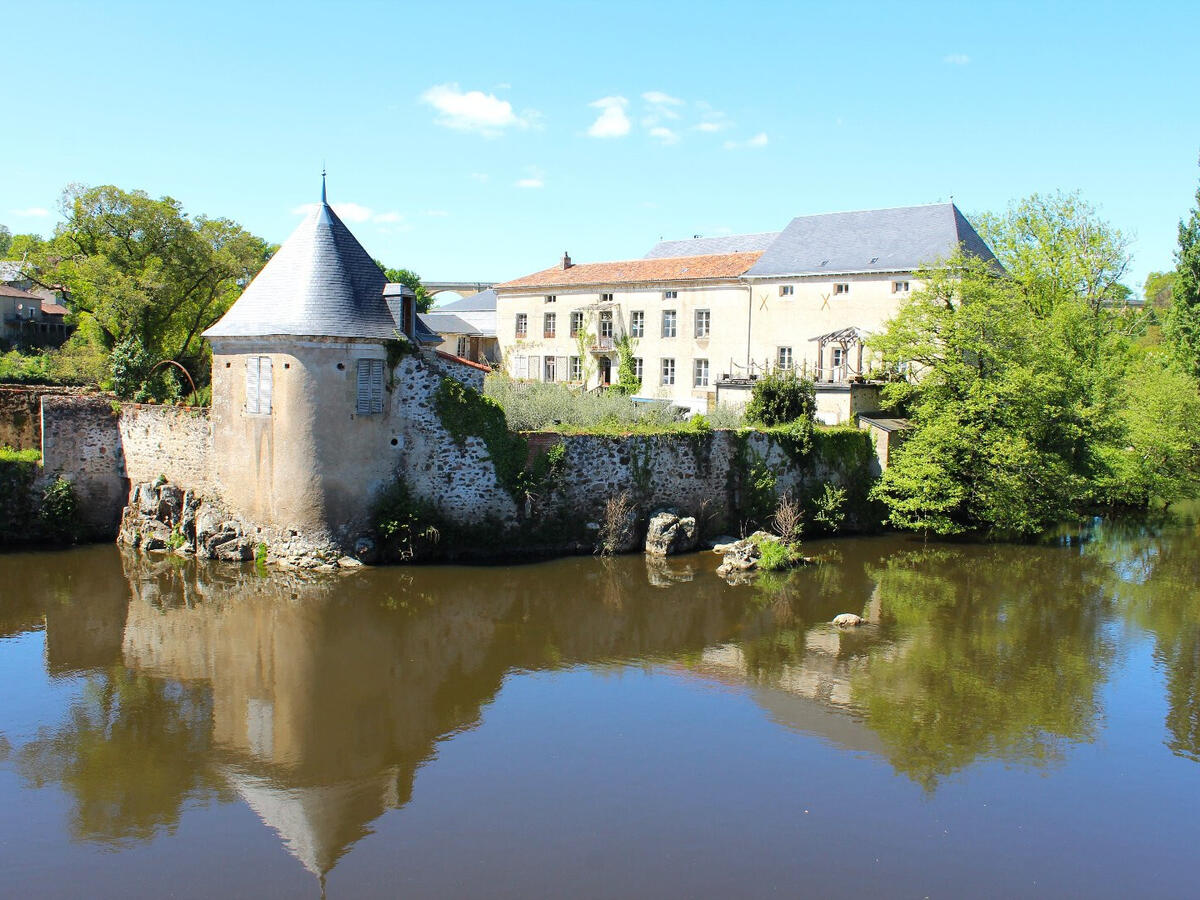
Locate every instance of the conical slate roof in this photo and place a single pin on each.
(321, 283)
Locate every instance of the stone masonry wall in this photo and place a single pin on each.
(701, 475)
(102, 448)
(170, 441)
(20, 413)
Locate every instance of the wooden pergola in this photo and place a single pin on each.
(844, 338)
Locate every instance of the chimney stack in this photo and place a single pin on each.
(566, 260)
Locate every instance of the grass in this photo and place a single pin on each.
(776, 555)
(8, 454)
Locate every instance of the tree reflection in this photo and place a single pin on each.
(1156, 574)
(131, 752)
(1002, 657)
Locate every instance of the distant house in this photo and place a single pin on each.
(29, 320)
(708, 313)
(30, 315)
(467, 327)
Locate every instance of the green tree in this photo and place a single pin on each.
(1158, 289)
(1032, 401)
(1183, 318)
(1056, 249)
(141, 269)
(5, 240)
(412, 280)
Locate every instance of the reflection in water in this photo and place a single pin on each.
(317, 701)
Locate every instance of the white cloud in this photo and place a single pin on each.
(476, 111)
(710, 127)
(534, 178)
(612, 122)
(658, 98)
(759, 140)
(956, 59)
(31, 212)
(664, 135)
(353, 212)
(435, 213)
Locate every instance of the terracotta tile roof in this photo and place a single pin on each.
(7, 290)
(450, 357)
(51, 308)
(682, 268)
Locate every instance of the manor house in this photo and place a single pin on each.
(704, 317)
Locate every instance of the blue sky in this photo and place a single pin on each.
(480, 141)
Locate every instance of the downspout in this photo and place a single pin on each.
(749, 317)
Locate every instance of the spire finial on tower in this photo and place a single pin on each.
(322, 184)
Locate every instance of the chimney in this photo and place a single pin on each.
(566, 260)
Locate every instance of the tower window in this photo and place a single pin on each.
(370, 386)
(258, 385)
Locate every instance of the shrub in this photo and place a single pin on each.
(539, 406)
(614, 527)
(787, 519)
(58, 510)
(781, 397)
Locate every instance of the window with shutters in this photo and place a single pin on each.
(370, 386)
(700, 373)
(703, 323)
(522, 325)
(668, 371)
(258, 385)
(576, 323)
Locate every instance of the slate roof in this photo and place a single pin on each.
(684, 268)
(484, 301)
(873, 240)
(730, 243)
(321, 283)
(447, 323)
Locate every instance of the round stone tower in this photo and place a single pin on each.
(303, 430)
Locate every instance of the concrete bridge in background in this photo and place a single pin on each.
(465, 288)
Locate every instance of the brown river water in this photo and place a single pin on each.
(1013, 721)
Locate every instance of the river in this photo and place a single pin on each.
(1012, 721)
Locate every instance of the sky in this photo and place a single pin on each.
(481, 141)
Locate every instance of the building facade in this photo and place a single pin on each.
(698, 313)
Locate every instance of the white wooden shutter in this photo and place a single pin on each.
(561, 372)
(252, 384)
(520, 366)
(264, 385)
